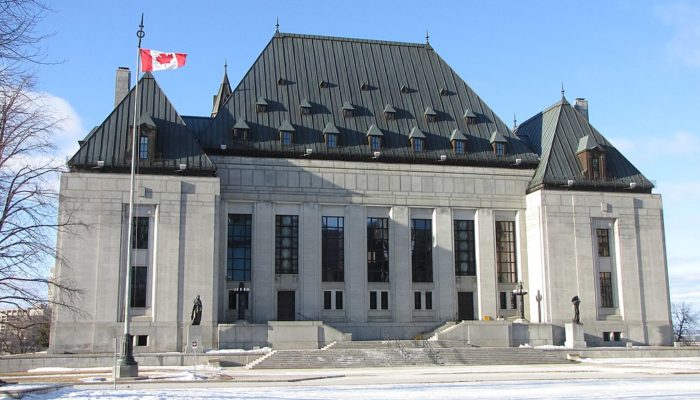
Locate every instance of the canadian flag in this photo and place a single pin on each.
(154, 60)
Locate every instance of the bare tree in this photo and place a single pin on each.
(28, 168)
(685, 318)
(25, 330)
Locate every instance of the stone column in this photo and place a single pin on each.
(400, 264)
(444, 271)
(310, 260)
(263, 270)
(356, 267)
(486, 264)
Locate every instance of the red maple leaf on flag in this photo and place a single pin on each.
(164, 58)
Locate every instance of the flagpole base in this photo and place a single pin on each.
(127, 367)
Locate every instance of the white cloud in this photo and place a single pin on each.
(70, 129)
(645, 147)
(684, 45)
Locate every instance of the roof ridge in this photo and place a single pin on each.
(545, 160)
(347, 39)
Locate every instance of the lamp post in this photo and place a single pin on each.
(241, 305)
(520, 292)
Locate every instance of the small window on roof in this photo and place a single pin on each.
(364, 86)
(469, 117)
(498, 143)
(286, 131)
(261, 105)
(405, 89)
(324, 85)
(389, 112)
(430, 114)
(444, 92)
(240, 130)
(375, 143)
(281, 82)
(348, 110)
(459, 146)
(305, 107)
(499, 149)
(418, 145)
(331, 140)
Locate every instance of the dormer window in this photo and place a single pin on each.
(324, 85)
(430, 115)
(240, 130)
(417, 139)
(348, 110)
(364, 86)
(374, 137)
(305, 107)
(405, 89)
(261, 105)
(469, 117)
(591, 157)
(281, 82)
(330, 134)
(389, 112)
(444, 92)
(459, 141)
(143, 147)
(498, 143)
(286, 131)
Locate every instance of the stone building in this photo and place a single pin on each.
(357, 188)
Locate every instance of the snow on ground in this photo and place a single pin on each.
(604, 389)
(262, 350)
(658, 364)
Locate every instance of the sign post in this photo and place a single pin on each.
(194, 350)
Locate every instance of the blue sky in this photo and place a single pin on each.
(636, 61)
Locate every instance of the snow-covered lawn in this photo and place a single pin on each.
(671, 388)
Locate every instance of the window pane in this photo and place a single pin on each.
(416, 300)
(332, 249)
(238, 254)
(422, 250)
(606, 290)
(286, 244)
(464, 248)
(428, 300)
(377, 249)
(385, 300)
(327, 300)
(139, 236)
(603, 242)
(372, 300)
(339, 300)
(231, 300)
(143, 147)
(139, 281)
(503, 304)
(505, 252)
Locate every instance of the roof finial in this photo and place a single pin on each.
(277, 25)
(427, 37)
(515, 121)
(562, 90)
(225, 65)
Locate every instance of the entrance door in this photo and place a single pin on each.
(285, 305)
(465, 306)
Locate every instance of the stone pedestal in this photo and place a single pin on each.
(194, 333)
(574, 336)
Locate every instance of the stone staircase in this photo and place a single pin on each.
(407, 353)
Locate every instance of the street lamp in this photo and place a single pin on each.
(241, 304)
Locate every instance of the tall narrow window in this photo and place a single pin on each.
(331, 141)
(286, 138)
(287, 244)
(385, 300)
(417, 145)
(603, 242)
(417, 300)
(139, 281)
(139, 236)
(428, 300)
(422, 250)
(332, 249)
(238, 252)
(375, 143)
(500, 150)
(465, 256)
(606, 290)
(502, 300)
(459, 146)
(327, 300)
(377, 249)
(505, 251)
(595, 166)
(143, 147)
(373, 300)
(339, 300)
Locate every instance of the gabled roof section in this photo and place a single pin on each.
(374, 131)
(416, 133)
(468, 113)
(175, 143)
(497, 137)
(304, 60)
(241, 124)
(285, 126)
(331, 129)
(457, 135)
(557, 134)
(222, 95)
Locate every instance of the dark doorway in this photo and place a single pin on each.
(285, 305)
(465, 306)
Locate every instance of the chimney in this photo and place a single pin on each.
(582, 106)
(122, 85)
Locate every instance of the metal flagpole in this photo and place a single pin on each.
(128, 367)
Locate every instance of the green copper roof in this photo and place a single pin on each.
(331, 128)
(241, 124)
(457, 135)
(285, 126)
(416, 133)
(497, 137)
(557, 134)
(374, 131)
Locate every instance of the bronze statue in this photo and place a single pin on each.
(576, 301)
(196, 315)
